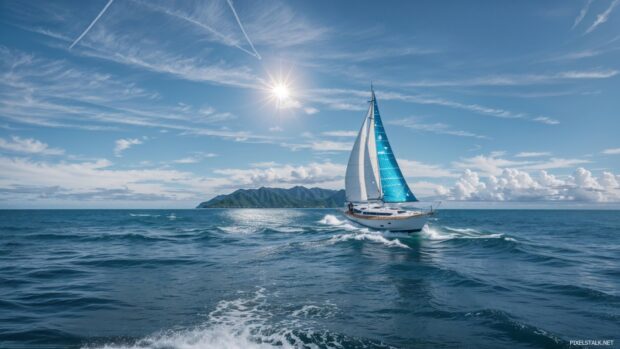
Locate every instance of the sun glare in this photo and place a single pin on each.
(280, 92)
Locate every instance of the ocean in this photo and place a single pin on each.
(307, 278)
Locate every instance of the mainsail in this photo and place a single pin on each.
(362, 178)
(372, 172)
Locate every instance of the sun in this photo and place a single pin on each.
(280, 92)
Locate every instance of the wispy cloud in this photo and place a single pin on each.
(546, 120)
(612, 151)
(28, 146)
(356, 100)
(91, 24)
(223, 38)
(437, 128)
(340, 133)
(582, 13)
(532, 154)
(602, 18)
(55, 93)
(124, 144)
(195, 158)
(516, 80)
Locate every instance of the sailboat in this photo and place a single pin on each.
(376, 190)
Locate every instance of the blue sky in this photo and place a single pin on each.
(168, 103)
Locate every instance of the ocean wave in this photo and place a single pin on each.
(239, 229)
(518, 331)
(324, 311)
(445, 233)
(333, 221)
(369, 236)
(245, 323)
(143, 215)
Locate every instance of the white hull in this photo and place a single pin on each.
(411, 223)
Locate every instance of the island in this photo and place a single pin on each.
(296, 197)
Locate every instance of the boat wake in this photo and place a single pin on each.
(248, 323)
(445, 233)
(358, 233)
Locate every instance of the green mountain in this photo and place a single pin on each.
(300, 197)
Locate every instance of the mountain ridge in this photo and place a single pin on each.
(265, 197)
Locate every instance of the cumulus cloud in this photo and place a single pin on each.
(28, 146)
(326, 174)
(124, 144)
(495, 163)
(517, 185)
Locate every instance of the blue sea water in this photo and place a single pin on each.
(246, 278)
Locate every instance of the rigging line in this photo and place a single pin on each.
(91, 24)
(242, 29)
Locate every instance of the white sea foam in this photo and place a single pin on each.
(289, 229)
(370, 236)
(238, 229)
(242, 323)
(143, 215)
(330, 219)
(342, 224)
(325, 310)
(172, 217)
(449, 233)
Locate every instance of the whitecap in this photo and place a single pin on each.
(370, 236)
(238, 229)
(143, 215)
(242, 323)
(449, 233)
(342, 224)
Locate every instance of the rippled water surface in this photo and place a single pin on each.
(306, 279)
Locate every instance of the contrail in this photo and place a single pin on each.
(92, 23)
(243, 30)
(226, 39)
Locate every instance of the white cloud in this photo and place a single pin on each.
(582, 14)
(196, 158)
(612, 151)
(330, 146)
(494, 163)
(325, 174)
(517, 185)
(416, 169)
(340, 133)
(124, 144)
(602, 18)
(355, 100)
(515, 80)
(554, 163)
(491, 164)
(437, 128)
(546, 120)
(29, 146)
(311, 110)
(532, 154)
(23, 180)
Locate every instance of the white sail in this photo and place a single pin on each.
(371, 167)
(362, 181)
(354, 182)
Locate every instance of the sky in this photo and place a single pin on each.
(164, 104)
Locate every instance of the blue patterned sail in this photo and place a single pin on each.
(393, 184)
